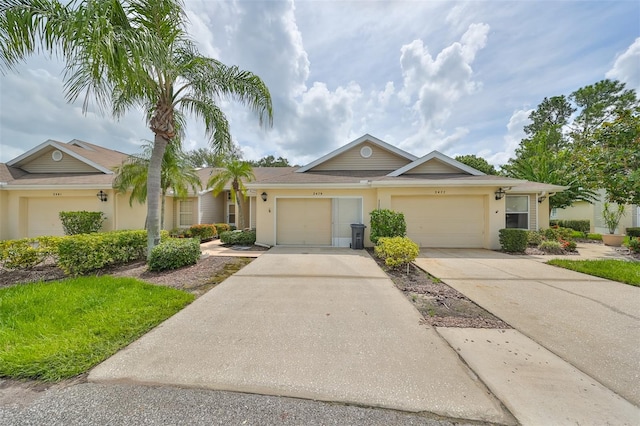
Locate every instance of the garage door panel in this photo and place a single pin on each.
(448, 221)
(302, 221)
(43, 214)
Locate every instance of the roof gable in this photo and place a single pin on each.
(364, 153)
(435, 163)
(73, 157)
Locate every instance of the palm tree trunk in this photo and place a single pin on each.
(237, 196)
(153, 192)
(164, 199)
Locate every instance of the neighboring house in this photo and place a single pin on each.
(582, 210)
(445, 203)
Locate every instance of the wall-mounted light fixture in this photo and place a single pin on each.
(500, 194)
(264, 196)
(102, 196)
(542, 198)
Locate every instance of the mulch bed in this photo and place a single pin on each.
(440, 304)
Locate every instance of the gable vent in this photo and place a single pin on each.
(56, 155)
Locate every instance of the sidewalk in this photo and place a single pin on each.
(574, 351)
(215, 248)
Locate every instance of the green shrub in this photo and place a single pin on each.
(238, 237)
(204, 232)
(633, 232)
(82, 222)
(595, 237)
(396, 251)
(387, 223)
(534, 238)
(551, 247)
(556, 234)
(634, 244)
(513, 240)
(568, 245)
(79, 254)
(583, 226)
(27, 252)
(174, 253)
(222, 227)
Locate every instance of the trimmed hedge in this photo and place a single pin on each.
(633, 232)
(238, 237)
(396, 251)
(82, 222)
(28, 252)
(79, 254)
(513, 240)
(174, 253)
(387, 223)
(583, 226)
(204, 232)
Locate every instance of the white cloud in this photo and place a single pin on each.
(627, 66)
(433, 86)
(515, 134)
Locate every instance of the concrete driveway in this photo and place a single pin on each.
(309, 323)
(592, 323)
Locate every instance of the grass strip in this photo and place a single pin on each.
(56, 330)
(616, 270)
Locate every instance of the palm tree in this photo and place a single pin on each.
(235, 173)
(133, 53)
(177, 174)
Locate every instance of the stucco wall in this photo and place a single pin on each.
(265, 210)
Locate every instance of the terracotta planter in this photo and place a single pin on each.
(612, 240)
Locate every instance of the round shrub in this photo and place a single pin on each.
(174, 253)
(204, 232)
(247, 237)
(513, 240)
(396, 251)
(534, 238)
(551, 247)
(82, 222)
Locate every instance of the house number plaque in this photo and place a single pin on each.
(440, 192)
(317, 193)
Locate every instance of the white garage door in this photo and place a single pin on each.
(303, 221)
(446, 221)
(43, 213)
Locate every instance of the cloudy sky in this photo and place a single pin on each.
(459, 77)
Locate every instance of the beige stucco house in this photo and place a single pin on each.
(592, 212)
(445, 203)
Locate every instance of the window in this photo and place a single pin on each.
(517, 211)
(186, 213)
(232, 214)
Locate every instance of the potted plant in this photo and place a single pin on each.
(612, 218)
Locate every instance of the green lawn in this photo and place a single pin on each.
(52, 331)
(616, 270)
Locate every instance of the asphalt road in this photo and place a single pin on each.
(97, 404)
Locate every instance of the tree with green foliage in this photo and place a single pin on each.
(133, 53)
(235, 174)
(177, 174)
(535, 161)
(207, 157)
(598, 104)
(271, 161)
(612, 157)
(477, 163)
(597, 149)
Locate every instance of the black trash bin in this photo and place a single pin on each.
(357, 236)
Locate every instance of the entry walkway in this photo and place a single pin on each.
(324, 324)
(591, 323)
